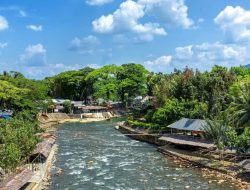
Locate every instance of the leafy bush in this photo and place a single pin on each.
(243, 141)
(67, 106)
(144, 125)
(175, 109)
(18, 140)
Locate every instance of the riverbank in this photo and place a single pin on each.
(48, 120)
(48, 123)
(224, 169)
(96, 156)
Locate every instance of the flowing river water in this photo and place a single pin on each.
(95, 156)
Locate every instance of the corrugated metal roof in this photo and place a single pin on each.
(189, 124)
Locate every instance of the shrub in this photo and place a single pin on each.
(144, 125)
(18, 140)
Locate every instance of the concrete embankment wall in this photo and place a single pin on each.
(49, 119)
(106, 115)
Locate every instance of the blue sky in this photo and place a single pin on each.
(42, 38)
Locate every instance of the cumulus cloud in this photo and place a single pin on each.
(160, 64)
(169, 12)
(34, 55)
(36, 28)
(94, 66)
(41, 71)
(3, 23)
(126, 18)
(47, 70)
(98, 2)
(204, 56)
(235, 23)
(86, 45)
(3, 45)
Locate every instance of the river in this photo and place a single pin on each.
(95, 156)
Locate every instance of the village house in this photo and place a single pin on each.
(58, 105)
(77, 106)
(140, 102)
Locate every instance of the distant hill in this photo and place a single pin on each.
(247, 66)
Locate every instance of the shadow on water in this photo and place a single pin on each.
(95, 156)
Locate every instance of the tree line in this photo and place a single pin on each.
(221, 96)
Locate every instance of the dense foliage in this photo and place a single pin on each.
(221, 96)
(17, 136)
(17, 141)
(111, 82)
(18, 93)
(70, 85)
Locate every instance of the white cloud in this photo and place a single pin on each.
(126, 18)
(144, 38)
(36, 28)
(235, 22)
(34, 55)
(3, 45)
(184, 52)
(86, 45)
(3, 23)
(202, 56)
(200, 20)
(22, 13)
(169, 12)
(205, 56)
(94, 66)
(160, 64)
(98, 2)
(18, 10)
(41, 71)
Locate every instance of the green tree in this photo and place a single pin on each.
(71, 85)
(132, 79)
(240, 107)
(67, 107)
(104, 81)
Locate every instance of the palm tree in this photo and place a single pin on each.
(240, 107)
(216, 130)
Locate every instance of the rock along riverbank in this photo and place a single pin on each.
(207, 166)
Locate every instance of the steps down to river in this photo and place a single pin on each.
(48, 119)
(105, 115)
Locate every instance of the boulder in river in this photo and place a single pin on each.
(59, 172)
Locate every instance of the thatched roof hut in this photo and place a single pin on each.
(42, 150)
(17, 180)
